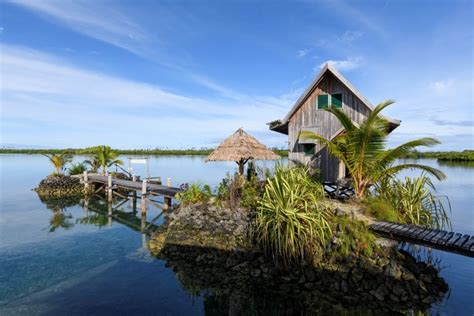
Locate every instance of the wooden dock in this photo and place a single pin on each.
(141, 186)
(111, 185)
(435, 238)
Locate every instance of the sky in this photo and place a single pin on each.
(181, 74)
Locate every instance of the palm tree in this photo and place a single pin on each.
(104, 157)
(361, 147)
(93, 162)
(59, 161)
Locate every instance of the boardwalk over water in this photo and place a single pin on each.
(141, 186)
(435, 238)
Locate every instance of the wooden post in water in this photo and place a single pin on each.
(134, 196)
(86, 181)
(109, 189)
(167, 199)
(143, 206)
(109, 214)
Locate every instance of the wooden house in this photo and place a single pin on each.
(329, 89)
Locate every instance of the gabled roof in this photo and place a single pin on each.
(282, 125)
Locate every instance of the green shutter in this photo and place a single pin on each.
(308, 149)
(323, 101)
(336, 100)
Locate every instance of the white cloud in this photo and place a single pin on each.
(442, 86)
(349, 37)
(120, 28)
(63, 105)
(303, 52)
(96, 20)
(345, 64)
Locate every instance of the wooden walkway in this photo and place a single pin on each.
(141, 186)
(435, 238)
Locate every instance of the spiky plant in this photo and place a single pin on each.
(291, 223)
(414, 201)
(362, 149)
(59, 161)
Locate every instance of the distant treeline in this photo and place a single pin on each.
(153, 152)
(465, 155)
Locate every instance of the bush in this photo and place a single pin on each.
(77, 168)
(291, 223)
(381, 209)
(351, 236)
(414, 202)
(195, 194)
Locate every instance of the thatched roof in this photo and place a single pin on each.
(241, 146)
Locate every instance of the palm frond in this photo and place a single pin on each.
(438, 174)
(343, 118)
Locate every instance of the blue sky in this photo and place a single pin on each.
(179, 74)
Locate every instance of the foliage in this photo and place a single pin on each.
(154, 152)
(104, 157)
(252, 193)
(351, 236)
(77, 168)
(291, 222)
(60, 219)
(381, 209)
(59, 161)
(93, 162)
(234, 192)
(361, 148)
(465, 155)
(195, 194)
(414, 202)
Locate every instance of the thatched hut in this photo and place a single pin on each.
(241, 147)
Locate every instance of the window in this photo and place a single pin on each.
(308, 149)
(323, 101)
(336, 100)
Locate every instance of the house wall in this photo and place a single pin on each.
(308, 117)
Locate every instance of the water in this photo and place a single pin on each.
(103, 267)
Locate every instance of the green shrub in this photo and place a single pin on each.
(351, 236)
(381, 209)
(414, 202)
(252, 193)
(195, 194)
(291, 222)
(77, 168)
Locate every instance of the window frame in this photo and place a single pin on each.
(342, 102)
(327, 100)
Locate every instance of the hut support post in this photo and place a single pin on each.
(241, 164)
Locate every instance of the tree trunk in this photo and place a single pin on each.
(241, 164)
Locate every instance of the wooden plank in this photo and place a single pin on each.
(431, 234)
(417, 233)
(461, 241)
(439, 238)
(468, 243)
(446, 238)
(423, 234)
(453, 239)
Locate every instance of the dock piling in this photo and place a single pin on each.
(167, 199)
(109, 189)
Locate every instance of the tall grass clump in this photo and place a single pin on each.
(291, 222)
(414, 201)
(77, 168)
(195, 194)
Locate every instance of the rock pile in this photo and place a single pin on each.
(210, 248)
(59, 186)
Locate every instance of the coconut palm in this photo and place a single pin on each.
(59, 161)
(104, 157)
(93, 162)
(361, 147)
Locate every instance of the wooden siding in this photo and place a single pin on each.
(308, 117)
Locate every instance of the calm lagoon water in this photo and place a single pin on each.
(103, 267)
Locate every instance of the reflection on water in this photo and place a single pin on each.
(93, 263)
